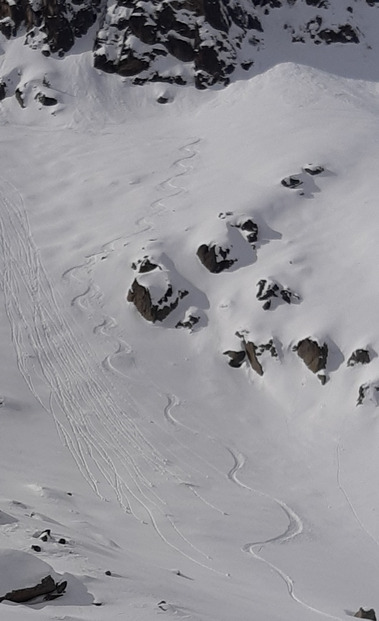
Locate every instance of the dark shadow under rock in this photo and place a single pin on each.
(313, 355)
(236, 358)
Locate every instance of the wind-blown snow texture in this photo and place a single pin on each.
(205, 492)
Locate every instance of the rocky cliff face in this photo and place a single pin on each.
(184, 41)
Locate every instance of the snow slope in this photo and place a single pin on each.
(221, 493)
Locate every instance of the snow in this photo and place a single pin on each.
(223, 494)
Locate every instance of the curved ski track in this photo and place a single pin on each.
(103, 440)
(294, 528)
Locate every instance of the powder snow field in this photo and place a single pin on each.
(226, 495)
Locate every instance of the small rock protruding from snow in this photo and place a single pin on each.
(270, 291)
(366, 614)
(368, 392)
(313, 169)
(291, 182)
(215, 257)
(359, 356)
(250, 230)
(312, 354)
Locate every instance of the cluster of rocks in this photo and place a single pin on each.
(180, 41)
(313, 353)
(251, 353)
(272, 293)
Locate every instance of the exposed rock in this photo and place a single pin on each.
(368, 392)
(250, 229)
(269, 291)
(153, 294)
(3, 90)
(313, 355)
(46, 586)
(291, 182)
(366, 614)
(145, 265)
(313, 170)
(45, 100)
(191, 319)
(359, 356)
(214, 258)
(236, 357)
(251, 352)
(19, 97)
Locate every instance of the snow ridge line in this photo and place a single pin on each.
(294, 529)
(99, 435)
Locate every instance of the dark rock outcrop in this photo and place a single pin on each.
(45, 100)
(151, 310)
(313, 355)
(366, 614)
(215, 258)
(251, 352)
(291, 182)
(359, 356)
(270, 291)
(47, 587)
(202, 42)
(250, 230)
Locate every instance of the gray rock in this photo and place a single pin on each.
(366, 614)
(313, 355)
(251, 352)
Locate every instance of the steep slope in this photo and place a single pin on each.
(204, 491)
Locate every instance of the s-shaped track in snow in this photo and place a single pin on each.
(294, 529)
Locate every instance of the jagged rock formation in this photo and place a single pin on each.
(312, 354)
(215, 257)
(366, 614)
(368, 392)
(249, 229)
(359, 356)
(191, 319)
(270, 291)
(182, 41)
(47, 587)
(152, 293)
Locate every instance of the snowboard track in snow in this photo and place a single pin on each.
(294, 529)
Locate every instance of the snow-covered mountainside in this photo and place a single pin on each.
(188, 324)
(205, 42)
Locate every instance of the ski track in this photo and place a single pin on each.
(294, 529)
(104, 442)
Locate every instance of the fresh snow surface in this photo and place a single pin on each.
(225, 495)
